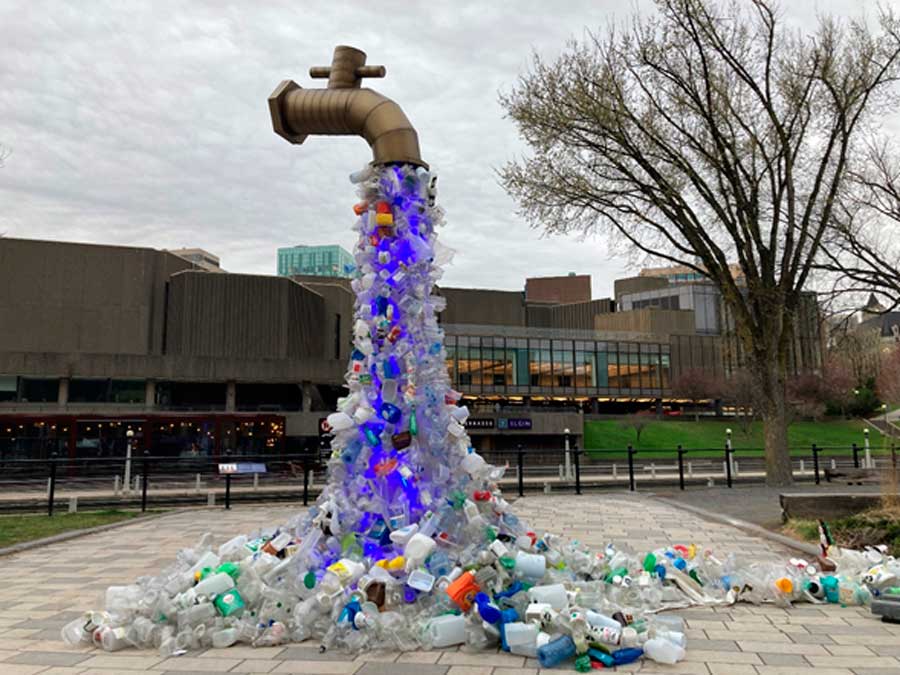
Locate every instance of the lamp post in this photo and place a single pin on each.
(868, 455)
(568, 456)
(129, 435)
(728, 448)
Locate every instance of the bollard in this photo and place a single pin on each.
(51, 488)
(137, 482)
(255, 482)
(855, 456)
(144, 474)
(116, 484)
(681, 467)
(653, 470)
(576, 452)
(815, 452)
(728, 464)
(197, 483)
(73, 504)
(833, 468)
(735, 467)
(615, 472)
(520, 467)
(690, 469)
(631, 452)
(802, 466)
(305, 482)
(210, 498)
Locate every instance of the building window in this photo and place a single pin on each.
(38, 390)
(585, 365)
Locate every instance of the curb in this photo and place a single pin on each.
(73, 534)
(749, 528)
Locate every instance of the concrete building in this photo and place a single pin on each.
(321, 261)
(97, 340)
(200, 257)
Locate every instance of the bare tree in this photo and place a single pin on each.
(637, 422)
(707, 133)
(862, 247)
(696, 384)
(741, 391)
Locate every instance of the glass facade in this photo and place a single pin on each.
(560, 367)
(321, 261)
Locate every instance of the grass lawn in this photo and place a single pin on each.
(710, 434)
(19, 528)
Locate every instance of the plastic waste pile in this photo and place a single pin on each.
(411, 544)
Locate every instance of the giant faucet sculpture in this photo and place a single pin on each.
(345, 109)
(411, 543)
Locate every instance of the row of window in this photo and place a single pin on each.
(522, 365)
(169, 395)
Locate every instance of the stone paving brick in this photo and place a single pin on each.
(515, 671)
(242, 652)
(402, 669)
(192, 663)
(853, 650)
(255, 666)
(300, 653)
(481, 659)
(856, 662)
(784, 660)
(471, 670)
(121, 663)
(779, 648)
(22, 669)
(46, 659)
(418, 657)
(328, 667)
(731, 669)
(700, 655)
(798, 670)
(713, 645)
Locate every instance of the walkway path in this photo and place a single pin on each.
(43, 589)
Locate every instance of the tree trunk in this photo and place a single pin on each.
(775, 425)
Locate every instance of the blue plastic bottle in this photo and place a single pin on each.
(554, 653)
(623, 656)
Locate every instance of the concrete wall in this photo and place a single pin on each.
(637, 285)
(484, 307)
(662, 322)
(76, 298)
(229, 315)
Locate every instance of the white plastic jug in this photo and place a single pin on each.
(214, 584)
(530, 566)
(447, 630)
(554, 595)
(521, 638)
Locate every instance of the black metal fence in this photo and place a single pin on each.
(292, 477)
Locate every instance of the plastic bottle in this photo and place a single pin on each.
(530, 566)
(553, 595)
(622, 657)
(601, 620)
(224, 637)
(447, 630)
(663, 651)
(521, 638)
(557, 651)
(214, 584)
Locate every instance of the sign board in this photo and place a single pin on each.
(242, 467)
(480, 423)
(514, 423)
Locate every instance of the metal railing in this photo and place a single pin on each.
(168, 480)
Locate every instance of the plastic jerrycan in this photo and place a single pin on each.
(447, 630)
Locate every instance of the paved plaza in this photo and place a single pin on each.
(47, 587)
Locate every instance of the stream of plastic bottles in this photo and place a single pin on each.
(411, 545)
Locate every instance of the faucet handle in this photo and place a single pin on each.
(324, 72)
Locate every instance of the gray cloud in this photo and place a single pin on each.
(146, 123)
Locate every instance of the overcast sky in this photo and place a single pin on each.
(146, 124)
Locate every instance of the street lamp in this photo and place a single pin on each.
(130, 436)
(728, 447)
(868, 456)
(568, 457)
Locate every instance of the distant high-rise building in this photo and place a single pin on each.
(199, 257)
(320, 261)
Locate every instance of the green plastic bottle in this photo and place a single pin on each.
(650, 562)
(230, 603)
